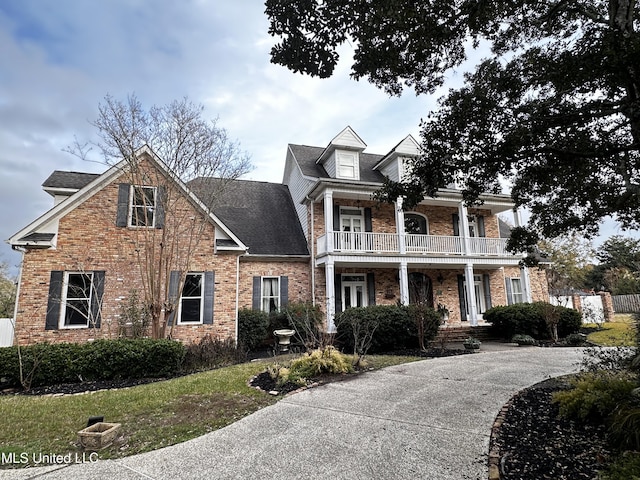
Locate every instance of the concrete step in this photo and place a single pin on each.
(460, 333)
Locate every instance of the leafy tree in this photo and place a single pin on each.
(192, 148)
(618, 270)
(571, 258)
(7, 292)
(555, 110)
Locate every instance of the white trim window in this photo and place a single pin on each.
(347, 165)
(142, 206)
(191, 307)
(270, 294)
(517, 294)
(77, 290)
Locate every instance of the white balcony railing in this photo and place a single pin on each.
(367, 242)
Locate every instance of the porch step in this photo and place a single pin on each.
(459, 334)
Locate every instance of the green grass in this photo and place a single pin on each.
(153, 416)
(620, 332)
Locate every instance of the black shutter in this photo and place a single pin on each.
(96, 300)
(486, 280)
(209, 293)
(371, 288)
(174, 294)
(338, 292)
(55, 298)
(463, 298)
(368, 224)
(480, 223)
(284, 291)
(507, 284)
(123, 205)
(257, 293)
(161, 200)
(456, 224)
(336, 218)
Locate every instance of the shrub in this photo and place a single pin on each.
(395, 330)
(575, 339)
(530, 319)
(624, 467)
(624, 430)
(594, 395)
(50, 364)
(209, 353)
(318, 362)
(427, 321)
(253, 328)
(521, 339)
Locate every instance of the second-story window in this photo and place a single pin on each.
(142, 207)
(347, 165)
(416, 224)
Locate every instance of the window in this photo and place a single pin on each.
(75, 311)
(270, 297)
(415, 223)
(517, 295)
(191, 301)
(347, 165)
(143, 206)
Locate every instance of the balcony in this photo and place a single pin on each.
(368, 243)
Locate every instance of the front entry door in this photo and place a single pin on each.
(354, 291)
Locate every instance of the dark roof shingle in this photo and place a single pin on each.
(261, 214)
(71, 180)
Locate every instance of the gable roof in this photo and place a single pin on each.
(68, 180)
(307, 157)
(261, 214)
(33, 235)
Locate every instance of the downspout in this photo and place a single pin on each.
(15, 307)
(237, 294)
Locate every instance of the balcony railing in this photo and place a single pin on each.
(368, 242)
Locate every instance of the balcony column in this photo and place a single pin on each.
(328, 219)
(402, 244)
(524, 271)
(471, 294)
(330, 293)
(404, 283)
(463, 214)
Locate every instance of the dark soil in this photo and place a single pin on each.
(72, 388)
(534, 443)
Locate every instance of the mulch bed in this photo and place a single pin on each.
(81, 387)
(534, 443)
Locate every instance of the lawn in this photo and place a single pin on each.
(620, 332)
(153, 416)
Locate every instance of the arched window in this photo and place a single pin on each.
(420, 289)
(416, 223)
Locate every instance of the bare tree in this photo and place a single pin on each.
(159, 205)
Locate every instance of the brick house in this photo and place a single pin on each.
(317, 236)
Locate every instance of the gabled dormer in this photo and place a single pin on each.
(341, 158)
(394, 164)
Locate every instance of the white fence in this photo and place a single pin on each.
(6, 332)
(591, 307)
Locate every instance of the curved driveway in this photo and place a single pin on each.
(430, 419)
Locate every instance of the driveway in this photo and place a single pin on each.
(430, 419)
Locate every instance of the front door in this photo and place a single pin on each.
(354, 293)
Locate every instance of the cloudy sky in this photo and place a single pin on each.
(59, 58)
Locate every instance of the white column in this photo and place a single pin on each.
(464, 228)
(526, 284)
(400, 226)
(330, 293)
(471, 295)
(404, 283)
(328, 219)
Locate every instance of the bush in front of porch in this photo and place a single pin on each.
(531, 319)
(396, 327)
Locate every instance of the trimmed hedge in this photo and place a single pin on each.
(528, 319)
(396, 330)
(50, 364)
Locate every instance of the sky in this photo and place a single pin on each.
(59, 58)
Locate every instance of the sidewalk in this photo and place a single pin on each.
(429, 419)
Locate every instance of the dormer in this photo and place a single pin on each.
(341, 158)
(61, 185)
(393, 164)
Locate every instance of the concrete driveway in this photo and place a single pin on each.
(430, 419)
